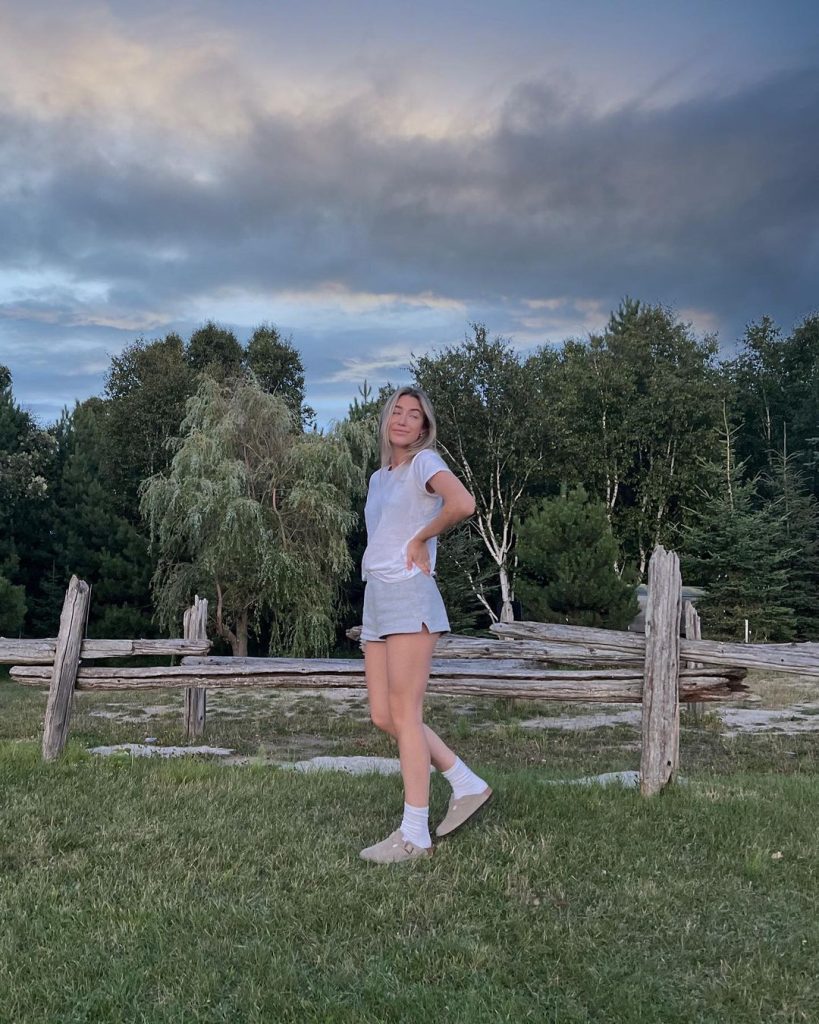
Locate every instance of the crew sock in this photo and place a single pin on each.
(463, 780)
(415, 825)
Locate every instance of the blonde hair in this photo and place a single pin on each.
(429, 432)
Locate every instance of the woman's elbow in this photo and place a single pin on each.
(468, 507)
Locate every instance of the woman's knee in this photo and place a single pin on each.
(405, 716)
(382, 720)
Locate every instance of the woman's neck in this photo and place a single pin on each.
(398, 456)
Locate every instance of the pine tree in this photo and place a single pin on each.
(567, 556)
(26, 473)
(799, 511)
(92, 538)
(736, 546)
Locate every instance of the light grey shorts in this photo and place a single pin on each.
(405, 606)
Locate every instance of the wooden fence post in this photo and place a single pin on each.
(64, 672)
(195, 627)
(692, 630)
(661, 708)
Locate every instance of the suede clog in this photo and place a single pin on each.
(395, 849)
(461, 810)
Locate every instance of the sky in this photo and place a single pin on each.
(372, 177)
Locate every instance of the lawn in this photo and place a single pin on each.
(134, 890)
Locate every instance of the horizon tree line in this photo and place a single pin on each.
(201, 467)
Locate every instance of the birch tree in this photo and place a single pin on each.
(490, 429)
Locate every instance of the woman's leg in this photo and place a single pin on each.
(375, 667)
(397, 672)
(408, 662)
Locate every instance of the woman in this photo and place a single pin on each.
(411, 499)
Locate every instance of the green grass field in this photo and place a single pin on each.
(187, 891)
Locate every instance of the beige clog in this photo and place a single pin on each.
(461, 810)
(394, 850)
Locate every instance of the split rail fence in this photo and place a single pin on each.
(534, 661)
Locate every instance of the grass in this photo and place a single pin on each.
(135, 890)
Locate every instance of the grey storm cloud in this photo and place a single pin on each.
(712, 202)
(543, 213)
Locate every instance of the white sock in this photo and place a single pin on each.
(415, 825)
(463, 780)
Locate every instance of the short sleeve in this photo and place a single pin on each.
(425, 465)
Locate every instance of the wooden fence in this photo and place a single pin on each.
(535, 661)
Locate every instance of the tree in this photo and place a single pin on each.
(798, 509)
(489, 428)
(775, 386)
(91, 538)
(758, 400)
(641, 406)
(567, 556)
(255, 514)
(26, 467)
(215, 350)
(12, 604)
(278, 368)
(737, 548)
(802, 368)
(147, 387)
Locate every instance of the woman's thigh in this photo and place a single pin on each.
(408, 657)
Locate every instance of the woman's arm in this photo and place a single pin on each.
(458, 505)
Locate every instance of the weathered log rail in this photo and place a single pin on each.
(500, 678)
(41, 652)
(799, 659)
(575, 653)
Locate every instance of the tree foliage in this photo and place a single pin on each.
(642, 401)
(737, 548)
(255, 514)
(567, 572)
(92, 538)
(491, 432)
(27, 455)
(279, 370)
(638, 414)
(792, 504)
(215, 351)
(147, 387)
(775, 392)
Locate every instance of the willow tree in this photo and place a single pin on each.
(254, 514)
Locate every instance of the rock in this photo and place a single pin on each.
(144, 750)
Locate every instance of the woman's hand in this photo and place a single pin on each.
(418, 554)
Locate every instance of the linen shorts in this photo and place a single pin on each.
(403, 606)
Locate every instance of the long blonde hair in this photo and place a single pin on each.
(430, 428)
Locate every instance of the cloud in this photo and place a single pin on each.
(378, 363)
(150, 180)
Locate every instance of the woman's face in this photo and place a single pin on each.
(406, 422)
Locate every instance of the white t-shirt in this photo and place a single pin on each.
(399, 506)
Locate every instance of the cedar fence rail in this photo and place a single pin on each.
(530, 660)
